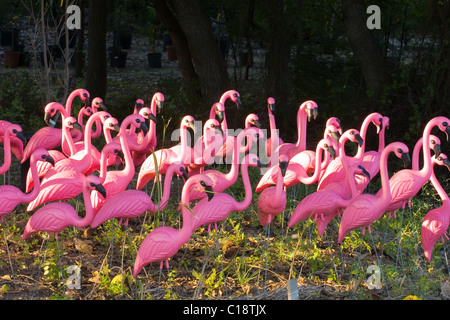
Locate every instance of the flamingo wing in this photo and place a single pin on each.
(207, 212)
(9, 199)
(46, 138)
(147, 171)
(434, 226)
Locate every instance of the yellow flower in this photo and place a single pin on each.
(411, 297)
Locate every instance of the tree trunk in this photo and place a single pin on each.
(185, 65)
(209, 64)
(97, 62)
(365, 47)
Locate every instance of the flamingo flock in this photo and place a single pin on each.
(63, 163)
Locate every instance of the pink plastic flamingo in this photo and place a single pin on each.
(222, 204)
(11, 197)
(306, 111)
(11, 132)
(406, 183)
(222, 181)
(56, 216)
(272, 200)
(164, 157)
(363, 210)
(132, 203)
(206, 146)
(117, 181)
(274, 140)
(164, 242)
(436, 222)
(15, 142)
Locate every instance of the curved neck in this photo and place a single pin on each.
(318, 166)
(240, 206)
(232, 175)
(278, 189)
(129, 166)
(416, 154)
(83, 222)
(183, 142)
(384, 174)
(7, 153)
(67, 137)
(427, 167)
(438, 187)
(28, 197)
(301, 129)
(69, 101)
(363, 132)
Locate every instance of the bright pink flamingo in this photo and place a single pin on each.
(436, 222)
(132, 203)
(366, 208)
(12, 131)
(85, 97)
(306, 111)
(296, 172)
(164, 242)
(325, 204)
(56, 216)
(11, 197)
(117, 181)
(222, 181)
(63, 181)
(274, 140)
(335, 170)
(15, 142)
(222, 204)
(164, 157)
(272, 200)
(406, 183)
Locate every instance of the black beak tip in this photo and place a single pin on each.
(101, 190)
(50, 160)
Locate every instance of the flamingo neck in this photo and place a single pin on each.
(363, 132)
(67, 138)
(129, 166)
(7, 153)
(427, 167)
(385, 186)
(183, 140)
(166, 192)
(416, 154)
(240, 206)
(186, 213)
(28, 197)
(69, 101)
(278, 189)
(301, 129)
(438, 187)
(381, 140)
(83, 222)
(232, 175)
(318, 167)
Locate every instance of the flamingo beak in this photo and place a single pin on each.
(271, 107)
(447, 131)
(364, 171)
(185, 174)
(380, 127)
(447, 163)
(117, 128)
(259, 164)
(159, 105)
(332, 152)
(21, 136)
(139, 106)
(120, 154)
(257, 123)
(359, 140)
(50, 160)
(102, 106)
(77, 126)
(312, 114)
(336, 136)
(210, 192)
(192, 125)
(406, 160)
(218, 130)
(437, 149)
(101, 190)
(238, 102)
(47, 118)
(283, 167)
(220, 114)
(87, 101)
(144, 128)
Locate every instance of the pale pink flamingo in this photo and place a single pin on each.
(335, 170)
(164, 157)
(306, 112)
(11, 197)
(222, 181)
(56, 216)
(222, 204)
(296, 172)
(15, 142)
(406, 183)
(132, 203)
(325, 204)
(274, 140)
(366, 208)
(164, 242)
(11, 132)
(117, 181)
(436, 222)
(272, 200)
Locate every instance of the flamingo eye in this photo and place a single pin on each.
(52, 110)
(138, 121)
(14, 131)
(445, 124)
(352, 132)
(433, 142)
(400, 150)
(92, 185)
(203, 183)
(440, 158)
(325, 145)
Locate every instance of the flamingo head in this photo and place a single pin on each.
(111, 123)
(252, 160)
(352, 135)
(84, 96)
(219, 109)
(181, 170)
(435, 144)
(71, 123)
(135, 120)
(254, 133)
(87, 111)
(402, 152)
(147, 114)
(115, 148)
(377, 120)
(98, 104)
(333, 121)
(311, 108)
(188, 122)
(253, 120)
(362, 170)
(442, 160)
(385, 123)
(235, 97)
(16, 130)
(443, 123)
(158, 98)
(328, 147)
(271, 104)
(212, 125)
(42, 155)
(50, 110)
(93, 183)
(138, 105)
(283, 162)
(333, 132)
(202, 183)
